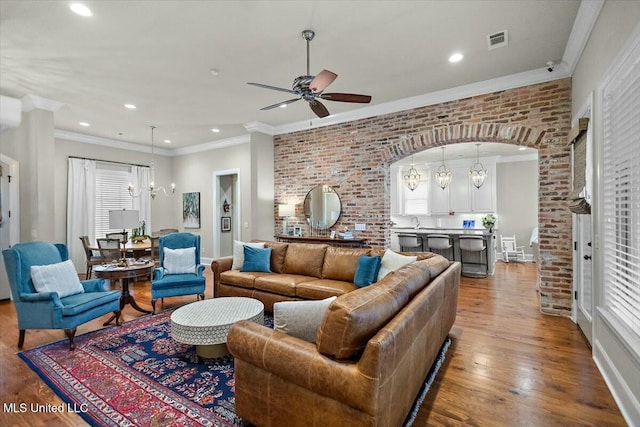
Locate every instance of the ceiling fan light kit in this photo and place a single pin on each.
(311, 88)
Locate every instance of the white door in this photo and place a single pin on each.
(5, 224)
(583, 274)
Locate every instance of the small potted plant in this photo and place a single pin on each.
(139, 233)
(488, 221)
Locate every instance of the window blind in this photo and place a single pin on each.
(111, 194)
(621, 191)
(415, 202)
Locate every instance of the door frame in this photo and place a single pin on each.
(12, 205)
(235, 209)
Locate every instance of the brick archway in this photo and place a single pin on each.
(554, 218)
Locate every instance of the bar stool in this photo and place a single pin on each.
(410, 243)
(440, 244)
(473, 244)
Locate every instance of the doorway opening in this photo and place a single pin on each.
(226, 218)
(9, 214)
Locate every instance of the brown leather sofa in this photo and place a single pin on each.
(373, 351)
(300, 271)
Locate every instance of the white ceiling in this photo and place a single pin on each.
(158, 55)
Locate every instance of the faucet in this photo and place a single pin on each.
(417, 221)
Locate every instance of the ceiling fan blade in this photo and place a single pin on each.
(281, 89)
(322, 80)
(346, 97)
(317, 107)
(280, 104)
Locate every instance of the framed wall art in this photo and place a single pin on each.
(191, 210)
(225, 223)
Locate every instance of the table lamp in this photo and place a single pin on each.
(124, 219)
(285, 211)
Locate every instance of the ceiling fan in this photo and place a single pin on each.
(310, 88)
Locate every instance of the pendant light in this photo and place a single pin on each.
(477, 173)
(152, 189)
(443, 174)
(412, 177)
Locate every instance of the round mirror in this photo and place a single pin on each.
(322, 207)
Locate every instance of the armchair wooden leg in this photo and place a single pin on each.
(153, 306)
(21, 338)
(70, 333)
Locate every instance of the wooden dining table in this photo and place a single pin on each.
(137, 249)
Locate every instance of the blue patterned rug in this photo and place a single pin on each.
(136, 375)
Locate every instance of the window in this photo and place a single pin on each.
(112, 193)
(621, 192)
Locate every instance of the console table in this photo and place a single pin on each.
(354, 243)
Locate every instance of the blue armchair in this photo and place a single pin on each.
(166, 284)
(46, 310)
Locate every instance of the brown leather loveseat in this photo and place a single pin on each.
(373, 351)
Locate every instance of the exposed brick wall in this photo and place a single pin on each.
(354, 158)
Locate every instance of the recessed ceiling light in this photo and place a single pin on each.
(80, 9)
(85, 124)
(522, 148)
(216, 130)
(283, 105)
(168, 141)
(456, 57)
(214, 72)
(130, 106)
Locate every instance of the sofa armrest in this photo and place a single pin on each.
(298, 362)
(219, 265)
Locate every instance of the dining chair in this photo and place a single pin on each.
(123, 236)
(92, 259)
(110, 249)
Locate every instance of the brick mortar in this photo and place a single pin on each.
(355, 157)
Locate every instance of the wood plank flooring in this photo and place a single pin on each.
(508, 365)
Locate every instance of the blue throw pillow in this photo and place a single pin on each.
(257, 259)
(367, 270)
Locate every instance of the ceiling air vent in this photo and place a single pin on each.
(497, 40)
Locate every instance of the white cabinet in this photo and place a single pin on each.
(461, 196)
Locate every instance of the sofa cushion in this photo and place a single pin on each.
(256, 259)
(341, 263)
(300, 318)
(238, 252)
(60, 277)
(367, 270)
(283, 284)
(239, 278)
(323, 288)
(278, 252)
(392, 261)
(305, 259)
(356, 316)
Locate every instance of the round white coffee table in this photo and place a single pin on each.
(206, 323)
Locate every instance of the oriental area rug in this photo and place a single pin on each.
(137, 375)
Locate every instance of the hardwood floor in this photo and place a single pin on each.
(508, 365)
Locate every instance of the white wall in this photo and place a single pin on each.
(517, 201)
(618, 362)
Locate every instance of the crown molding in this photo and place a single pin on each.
(31, 102)
(512, 81)
(582, 26)
(207, 146)
(107, 142)
(520, 158)
(259, 127)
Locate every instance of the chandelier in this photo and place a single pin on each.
(477, 173)
(412, 178)
(152, 189)
(443, 174)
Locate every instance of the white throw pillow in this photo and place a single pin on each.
(300, 318)
(60, 277)
(238, 252)
(179, 261)
(392, 261)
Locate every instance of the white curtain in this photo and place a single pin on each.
(81, 208)
(141, 178)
